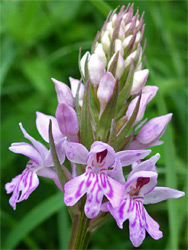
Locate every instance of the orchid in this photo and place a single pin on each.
(39, 163)
(140, 189)
(98, 126)
(96, 181)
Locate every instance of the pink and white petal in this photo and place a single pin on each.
(76, 152)
(152, 227)
(94, 199)
(159, 194)
(28, 183)
(148, 165)
(117, 172)
(121, 213)
(75, 189)
(74, 86)
(27, 150)
(127, 157)
(113, 190)
(10, 186)
(14, 198)
(42, 123)
(39, 146)
(137, 225)
(64, 94)
(147, 182)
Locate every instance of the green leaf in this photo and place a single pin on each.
(86, 132)
(33, 219)
(104, 124)
(127, 127)
(125, 92)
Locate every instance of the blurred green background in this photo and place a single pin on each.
(40, 40)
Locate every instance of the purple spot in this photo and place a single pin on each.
(78, 193)
(141, 181)
(101, 155)
(93, 214)
(138, 154)
(103, 180)
(110, 194)
(121, 210)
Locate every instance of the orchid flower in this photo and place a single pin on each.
(97, 181)
(140, 189)
(39, 163)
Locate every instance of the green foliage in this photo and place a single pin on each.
(40, 40)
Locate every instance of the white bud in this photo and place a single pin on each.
(119, 46)
(131, 56)
(105, 90)
(120, 65)
(127, 27)
(105, 40)
(110, 29)
(74, 86)
(138, 36)
(82, 62)
(139, 80)
(126, 41)
(96, 69)
(114, 19)
(121, 34)
(100, 52)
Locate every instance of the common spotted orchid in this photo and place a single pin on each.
(140, 189)
(96, 180)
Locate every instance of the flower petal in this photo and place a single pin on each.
(64, 94)
(42, 123)
(113, 190)
(148, 165)
(67, 121)
(127, 157)
(141, 176)
(159, 194)
(152, 227)
(94, 198)
(42, 150)
(27, 150)
(76, 152)
(137, 224)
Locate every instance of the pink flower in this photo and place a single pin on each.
(98, 180)
(140, 188)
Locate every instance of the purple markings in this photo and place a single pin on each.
(78, 193)
(121, 212)
(103, 180)
(141, 181)
(101, 155)
(110, 194)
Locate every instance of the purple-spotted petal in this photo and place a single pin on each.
(137, 224)
(113, 190)
(127, 157)
(152, 227)
(39, 146)
(76, 152)
(159, 194)
(25, 183)
(42, 123)
(27, 150)
(101, 154)
(94, 198)
(64, 94)
(144, 181)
